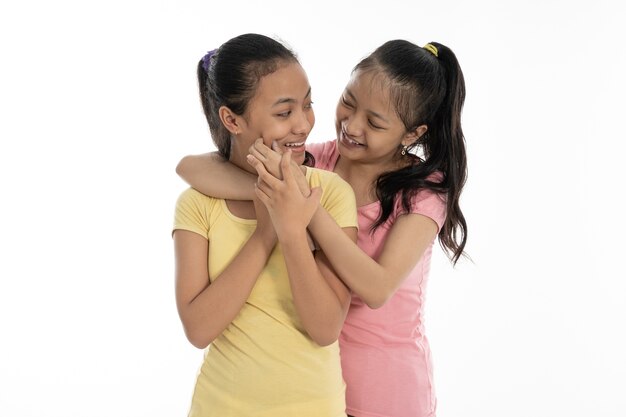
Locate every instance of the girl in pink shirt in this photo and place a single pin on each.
(401, 147)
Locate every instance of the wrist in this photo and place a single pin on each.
(317, 219)
(267, 236)
(292, 237)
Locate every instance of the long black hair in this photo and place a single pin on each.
(427, 88)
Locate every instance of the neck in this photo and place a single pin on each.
(239, 160)
(362, 176)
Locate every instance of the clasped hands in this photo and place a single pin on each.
(283, 189)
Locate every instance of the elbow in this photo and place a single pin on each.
(180, 168)
(324, 341)
(198, 339)
(375, 304)
(376, 301)
(325, 337)
(198, 343)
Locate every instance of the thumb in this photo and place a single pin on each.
(285, 165)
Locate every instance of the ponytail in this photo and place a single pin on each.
(453, 234)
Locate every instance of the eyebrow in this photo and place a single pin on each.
(290, 100)
(373, 113)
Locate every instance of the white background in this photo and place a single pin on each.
(98, 102)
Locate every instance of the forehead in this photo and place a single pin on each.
(371, 87)
(288, 82)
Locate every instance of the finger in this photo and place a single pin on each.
(268, 157)
(252, 160)
(264, 175)
(285, 166)
(264, 198)
(254, 151)
(299, 175)
(263, 186)
(259, 145)
(255, 162)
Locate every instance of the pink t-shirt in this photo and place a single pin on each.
(385, 355)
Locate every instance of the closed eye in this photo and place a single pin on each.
(372, 124)
(345, 102)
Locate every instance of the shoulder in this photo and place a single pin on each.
(337, 196)
(426, 202)
(192, 203)
(194, 211)
(191, 196)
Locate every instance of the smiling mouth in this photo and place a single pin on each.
(294, 144)
(351, 141)
(354, 142)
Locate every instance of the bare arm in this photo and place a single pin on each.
(213, 175)
(320, 297)
(206, 308)
(375, 281)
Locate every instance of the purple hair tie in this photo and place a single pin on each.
(206, 60)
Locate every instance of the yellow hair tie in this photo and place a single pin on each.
(432, 49)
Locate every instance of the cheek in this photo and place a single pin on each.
(342, 113)
(339, 112)
(338, 118)
(311, 118)
(274, 131)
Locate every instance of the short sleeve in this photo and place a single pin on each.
(338, 200)
(427, 203)
(192, 212)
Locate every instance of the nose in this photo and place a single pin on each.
(352, 126)
(303, 122)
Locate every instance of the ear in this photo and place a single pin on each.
(413, 136)
(230, 120)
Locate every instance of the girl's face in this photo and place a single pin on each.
(368, 128)
(280, 112)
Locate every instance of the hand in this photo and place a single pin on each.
(261, 154)
(288, 208)
(268, 157)
(299, 172)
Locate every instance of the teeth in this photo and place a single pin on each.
(294, 144)
(353, 142)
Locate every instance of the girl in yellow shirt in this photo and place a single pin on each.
(249, 288)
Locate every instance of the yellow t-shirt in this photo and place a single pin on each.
(264, 364)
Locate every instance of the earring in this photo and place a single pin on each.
(404, 150)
